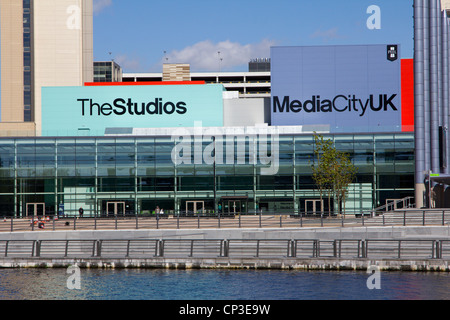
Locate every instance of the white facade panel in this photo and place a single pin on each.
(246, 112)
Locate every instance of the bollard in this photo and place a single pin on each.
(257, 248)
(128, 248)
(225, 248)
(6, 248)
(292, 248)
(37, 248)
(99, 247)
(66, 249)
(437, 249)
(191, 253)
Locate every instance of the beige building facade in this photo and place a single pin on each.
(43, 43)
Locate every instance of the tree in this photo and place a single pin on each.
(344, 175)
(321, 169)
(333, 172)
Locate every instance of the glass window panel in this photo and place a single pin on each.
(26, 146)
(203, 170)
(344, 143)
(185, 170)
(243, 169)
(165, 170)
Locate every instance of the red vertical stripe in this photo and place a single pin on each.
(407, 75)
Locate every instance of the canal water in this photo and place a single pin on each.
(132, 284)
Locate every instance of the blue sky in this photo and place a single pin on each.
(136, 33)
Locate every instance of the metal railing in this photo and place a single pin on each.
(406, 217)
(227, 248)
(395, 204)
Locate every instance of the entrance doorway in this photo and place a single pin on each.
(313, 207)
(35, 209)
(234, 207)
(195, 207)
(115, 208)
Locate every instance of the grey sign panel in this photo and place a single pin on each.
(349, 88)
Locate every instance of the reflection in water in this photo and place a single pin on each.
(97, 284)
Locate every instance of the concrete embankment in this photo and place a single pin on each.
(331, 264)
(441, 233)
(331, 233)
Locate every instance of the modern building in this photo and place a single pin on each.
(192, 146)
(43, 43)
(133, 173)
(432, 104)
(107, 71)
(176, 72)
(229, 142)
(259, 65)
(245, 84)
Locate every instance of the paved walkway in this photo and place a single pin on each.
(254, 221)
(398, 218)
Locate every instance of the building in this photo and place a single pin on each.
(432, 108)
(43, 43)
(176, 72)
(193, 146)
(228, 142)
(259, 65)
(245, 84)
(133, 173)
(107, 71)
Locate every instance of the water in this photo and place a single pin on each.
(132, 284)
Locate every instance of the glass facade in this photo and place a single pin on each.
(135, 175)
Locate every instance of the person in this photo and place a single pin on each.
(161, 211)
(157, 212)
(81, 211)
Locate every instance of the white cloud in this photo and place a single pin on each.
(326, 35)
(128, 64)
(203, 56)
(99, 5)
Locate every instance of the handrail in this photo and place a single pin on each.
(405, 217)
(394, 202)
(227, 248)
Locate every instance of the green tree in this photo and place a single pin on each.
(321, 169)
(345, 174)
(333, 172)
